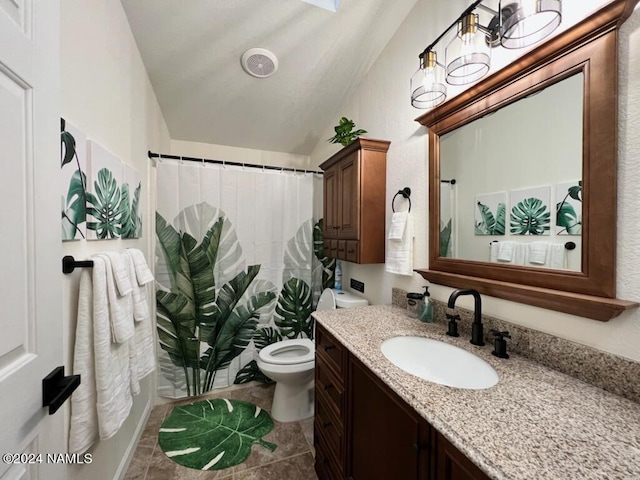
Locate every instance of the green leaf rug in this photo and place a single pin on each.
(214, 434)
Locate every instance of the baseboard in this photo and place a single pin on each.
(131, 448)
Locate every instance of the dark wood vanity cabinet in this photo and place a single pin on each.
(365, 431)
(354, 195)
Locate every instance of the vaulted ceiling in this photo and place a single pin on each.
(192, 51)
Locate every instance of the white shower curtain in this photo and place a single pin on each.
(235, 256)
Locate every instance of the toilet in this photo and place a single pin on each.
(291, 363)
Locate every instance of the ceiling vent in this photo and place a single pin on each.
(259, 62)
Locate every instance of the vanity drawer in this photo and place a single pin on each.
(329, 387)
(331, 351)
(329, 428)
(325, 465)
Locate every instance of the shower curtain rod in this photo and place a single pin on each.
(224, 162)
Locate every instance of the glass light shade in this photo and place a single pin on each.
(468, 57)
(525, 22)
(427, 84)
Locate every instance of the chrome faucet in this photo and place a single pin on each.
(477, 334)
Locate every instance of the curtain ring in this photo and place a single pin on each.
(181, 160)
(203, 162)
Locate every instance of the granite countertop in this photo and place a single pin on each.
(536, 423)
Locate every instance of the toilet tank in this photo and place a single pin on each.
(349, 300)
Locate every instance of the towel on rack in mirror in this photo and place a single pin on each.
(400, 252)
(398, 225)
(558, 256)
(505, 251)
(538, 253)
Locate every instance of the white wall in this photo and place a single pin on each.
(106, 93)
(237, 154)
(381, 106)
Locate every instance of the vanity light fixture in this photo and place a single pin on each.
(519, 24)
(468, 56)
(525, 22)
(427, 84)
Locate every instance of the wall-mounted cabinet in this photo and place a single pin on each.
(364, 430)
(354, 201)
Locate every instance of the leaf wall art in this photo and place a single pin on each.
(530, 213)
(490, 213)
(73, 181)
(569, 208)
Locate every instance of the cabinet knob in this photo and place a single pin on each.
(328, 387)
(326, 424)
(329, 347)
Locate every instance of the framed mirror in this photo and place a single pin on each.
(531, 152)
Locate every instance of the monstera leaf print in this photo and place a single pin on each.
(105, 206)
(293, 312)
(328, 265)
(214, 434)
(74, 212)
(74, 207)
(251, 372)
(566, 215)
(530, 217)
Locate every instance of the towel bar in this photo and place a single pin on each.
(69, 264)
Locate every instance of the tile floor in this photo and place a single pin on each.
(292, 460)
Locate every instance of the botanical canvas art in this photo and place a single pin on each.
(104, 208)
(530, 213)
(73, 181)
(490, 213)
(569, 208)
(131, 222)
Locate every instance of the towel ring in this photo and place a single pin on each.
(406, 193)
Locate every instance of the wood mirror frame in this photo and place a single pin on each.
(590, 47)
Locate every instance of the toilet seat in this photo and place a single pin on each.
(288, 352)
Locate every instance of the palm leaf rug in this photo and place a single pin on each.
(214, 434)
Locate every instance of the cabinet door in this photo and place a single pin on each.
(453, 465)
(331, 200)
(388, 439)
(349, 204)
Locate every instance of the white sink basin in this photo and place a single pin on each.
(439, 362)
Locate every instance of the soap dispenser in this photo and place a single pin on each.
(426, 315)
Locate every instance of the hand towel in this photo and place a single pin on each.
(520, 253)
(557, 256)
(505, 251)
(140, 276)
(400, 253)
(493, 251)
(120, 304)
(538, 253)
(143, 273)
(83, 431)
(142, 358)
(398, 225)
(112, 385)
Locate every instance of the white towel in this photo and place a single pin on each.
(143, 273)
(398, 225)
(140, 276)
(119, 290)
(520, 253)
(142, 358)
(557, 256)
(400, 253)
(505, 251)
(493, 252)
(84, 416)
(113, 386)
(538, 253)
(103, 400)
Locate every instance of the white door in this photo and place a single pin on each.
(30, 246)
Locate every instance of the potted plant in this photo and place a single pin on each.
(345, 133)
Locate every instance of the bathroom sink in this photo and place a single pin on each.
(439, 362)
